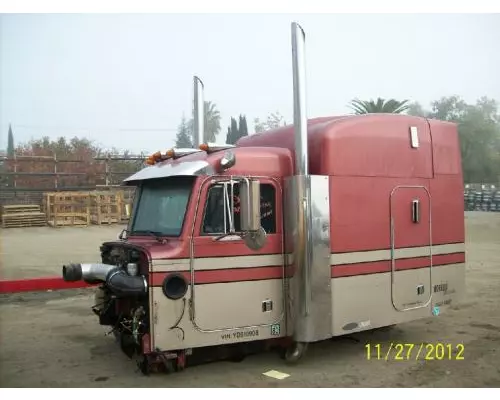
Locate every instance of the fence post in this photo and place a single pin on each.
(15, 170)
(55, 172)
(106, 163)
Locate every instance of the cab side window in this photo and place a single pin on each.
(214, 222)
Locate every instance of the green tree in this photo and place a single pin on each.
(232, 132)
(273, 121)
(237, 129)
(243, 127)
(451, 108)
(10, 143)
(76, 149)
(479, 132)
(416, 110)
(183, 137)
(379, 106)
(212, 123)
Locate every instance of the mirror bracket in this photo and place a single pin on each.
(123, 234)
(251, 231)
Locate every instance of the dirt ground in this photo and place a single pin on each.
(53, 339)
(33, 252)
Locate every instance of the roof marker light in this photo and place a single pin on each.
(213, 147)
(172, 153)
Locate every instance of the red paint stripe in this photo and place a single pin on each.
(276, 272)
(39, 284)
(236, 274)
(223, 275)
(339, 271)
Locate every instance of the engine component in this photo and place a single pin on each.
(90, 273)
(132, 269)
(137, 323)
(120, 283)
(116, 279)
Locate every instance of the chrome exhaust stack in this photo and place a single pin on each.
(307, 229)
(299, 100)
(199, 113)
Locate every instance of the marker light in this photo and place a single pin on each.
(153, 158)
(181, 152)
(204, 147)
(170, 153)
(213, 147)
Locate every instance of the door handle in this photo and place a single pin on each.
(415, 211)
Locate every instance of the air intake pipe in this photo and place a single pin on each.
(116, 278)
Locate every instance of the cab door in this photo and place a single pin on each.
(236, 287)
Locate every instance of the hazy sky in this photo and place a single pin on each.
(126, 80)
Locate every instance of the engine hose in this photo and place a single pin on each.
(90, 273)
(122, 284)
(115, 278)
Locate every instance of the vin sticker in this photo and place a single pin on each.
(240, 335)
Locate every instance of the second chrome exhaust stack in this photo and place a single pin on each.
(199, 113)
(299, 100)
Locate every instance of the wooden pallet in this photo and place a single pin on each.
(106, 207)
(70, 219)
(20, 208)
(18, 216)
(67, 208)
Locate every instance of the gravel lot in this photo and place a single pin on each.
(53, 339)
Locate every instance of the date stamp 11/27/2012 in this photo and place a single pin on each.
(412, 351)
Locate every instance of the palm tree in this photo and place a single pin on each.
(212, 121)
(379, 106)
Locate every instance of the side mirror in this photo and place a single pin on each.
(253, 233)
(250, 205)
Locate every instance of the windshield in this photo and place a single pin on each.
(161, 206)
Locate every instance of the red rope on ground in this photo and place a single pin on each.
(39, 284)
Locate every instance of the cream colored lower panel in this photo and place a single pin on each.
(237, 304)
(405, 294)
(364, 302)
(218, 306)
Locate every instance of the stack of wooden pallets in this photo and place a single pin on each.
(84, 208)
(67, 208)
(22, 215)
(106, 207)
